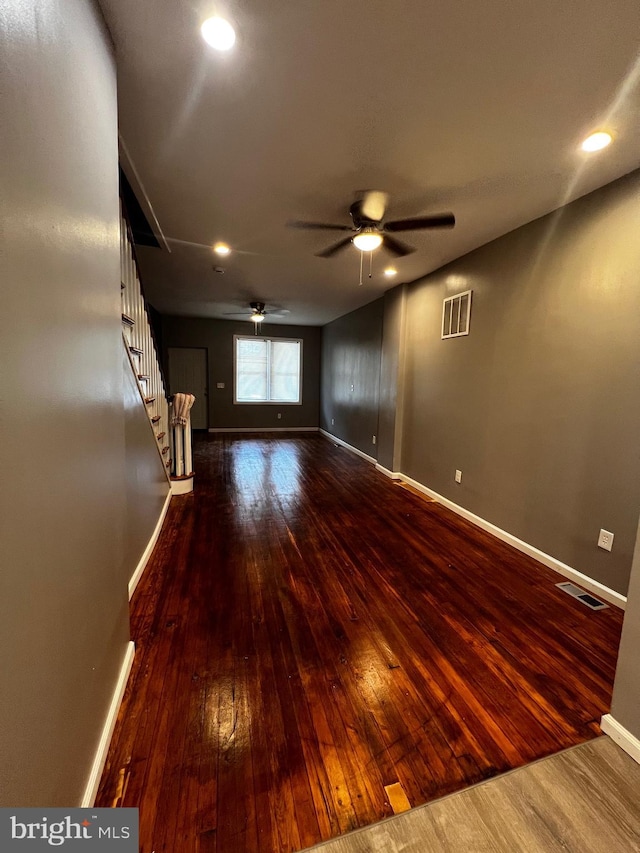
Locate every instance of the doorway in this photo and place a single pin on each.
(188, 374)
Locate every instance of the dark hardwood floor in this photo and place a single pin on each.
(308, 633)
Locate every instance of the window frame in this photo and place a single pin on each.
(268, 339)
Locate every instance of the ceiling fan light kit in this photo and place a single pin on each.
(367, 240)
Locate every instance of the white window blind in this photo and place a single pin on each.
(268, 370)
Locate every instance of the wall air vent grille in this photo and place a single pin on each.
(581, 595)
(456, 314)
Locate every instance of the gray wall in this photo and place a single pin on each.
(625, 705)
(216, 336)
(351, 353)
(540, 405)
(63, 603)
(146, 484)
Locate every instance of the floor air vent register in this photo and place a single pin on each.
(581, 595)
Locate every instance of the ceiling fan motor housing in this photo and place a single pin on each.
(358, 217)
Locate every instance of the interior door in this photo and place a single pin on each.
(188, 375)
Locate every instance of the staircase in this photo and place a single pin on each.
(141, 347)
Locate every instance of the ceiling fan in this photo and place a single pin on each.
(258, 313)
(368, 231)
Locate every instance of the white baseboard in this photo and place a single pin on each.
(621, 736)
(263, 429)
(547, 560)
(350, 447)
(393, 475)
(100, 758)
(135, 577)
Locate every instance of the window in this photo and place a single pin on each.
(267, 370)
(456, 312)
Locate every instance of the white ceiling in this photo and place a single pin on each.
(477, 107)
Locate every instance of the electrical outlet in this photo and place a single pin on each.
(605, 540)
(458, 476)
(279, 415)
(352, 386)
(373, 439)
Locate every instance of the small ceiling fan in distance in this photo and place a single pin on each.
(368, 231)
(259, 312)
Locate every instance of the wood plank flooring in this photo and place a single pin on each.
(308, 632)
(582, 800)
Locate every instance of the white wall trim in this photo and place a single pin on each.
(547, 560)
(625, 740)
(393, 475)
(91, 789)
(263, 429)
(350, 447)
(135, 577)
(133, 177)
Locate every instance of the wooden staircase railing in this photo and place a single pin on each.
(139, 340)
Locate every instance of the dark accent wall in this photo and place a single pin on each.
(216, 336)
(351, 353)
(63, 601)
(392, 371)
(540, 405)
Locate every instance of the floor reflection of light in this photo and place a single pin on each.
(228, 715)
(261, 473)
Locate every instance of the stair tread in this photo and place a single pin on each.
(143, 376)
(165, 449)
(129, 321)
(149, 400)
(135, 350)
(160, 436)
(155, 419)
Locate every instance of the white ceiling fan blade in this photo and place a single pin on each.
(374, 204)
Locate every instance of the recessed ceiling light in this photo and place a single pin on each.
(367, 240)
(390, 272)
(218, 33)
(221, 249)
(597, 141)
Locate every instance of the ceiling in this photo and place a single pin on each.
(473, 107)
